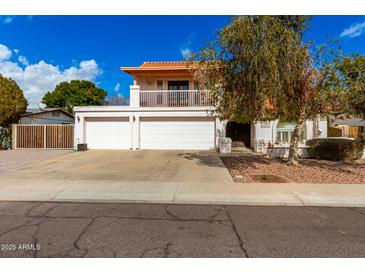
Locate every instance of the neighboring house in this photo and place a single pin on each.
(168, 111)
(351, 127)
(46, 116)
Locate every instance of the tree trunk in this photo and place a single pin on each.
(294, 144)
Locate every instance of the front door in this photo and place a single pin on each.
(179, 93)
(239, 132)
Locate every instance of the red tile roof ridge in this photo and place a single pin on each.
(165, 63)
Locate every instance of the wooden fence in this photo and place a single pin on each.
(42, 136)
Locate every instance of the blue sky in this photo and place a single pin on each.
(40, 51)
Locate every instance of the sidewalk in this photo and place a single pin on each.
(184, 193)
(277, 194)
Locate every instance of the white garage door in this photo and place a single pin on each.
(177, 133)
(108, 133)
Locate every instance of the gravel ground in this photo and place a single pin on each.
(244, 169)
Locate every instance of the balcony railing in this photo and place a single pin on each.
(175, 98)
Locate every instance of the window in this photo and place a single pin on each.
(284, 133)
(179, 94)
(178, 85)
(55, 113)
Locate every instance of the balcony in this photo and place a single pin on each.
(175, 98)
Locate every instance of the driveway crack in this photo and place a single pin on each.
(64, 189)
(162, 170)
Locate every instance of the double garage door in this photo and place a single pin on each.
(154, 133)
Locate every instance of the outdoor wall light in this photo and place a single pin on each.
(78, 119)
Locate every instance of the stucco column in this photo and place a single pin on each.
(134, 96)
(315, 128)
(131, 126)
(13, 136)
(220, 130)
(79, 129)
(136, 132)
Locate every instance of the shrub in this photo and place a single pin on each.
(5, 138)
(335, 149)
(334, 132)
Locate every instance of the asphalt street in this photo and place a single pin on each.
(43, 229)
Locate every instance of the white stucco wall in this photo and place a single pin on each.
(264, 130)
(134, 96)
(263, 133)
(220, 128)
(323, 127)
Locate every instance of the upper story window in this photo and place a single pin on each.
(178, 85)
(284, 132)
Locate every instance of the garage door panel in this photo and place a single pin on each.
(177, 133)
(108, 133)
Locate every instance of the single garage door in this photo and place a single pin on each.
(108, 133)
(177, 133)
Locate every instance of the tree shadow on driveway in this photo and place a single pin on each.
(206, 158)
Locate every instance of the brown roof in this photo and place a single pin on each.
(160, 66)
(30, 112)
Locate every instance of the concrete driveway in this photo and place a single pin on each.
(118, 175)
(12, 159)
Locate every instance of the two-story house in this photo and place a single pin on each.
(168, 111)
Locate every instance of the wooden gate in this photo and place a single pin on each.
(42, 136)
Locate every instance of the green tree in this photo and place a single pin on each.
(12, 102)
(346, 75)
(12, 105)
(259, 68)
(66, 95)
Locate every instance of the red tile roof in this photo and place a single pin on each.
(163, 65)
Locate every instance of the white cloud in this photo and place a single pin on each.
(185, 48)
(117, 87)
(16, 51)
(354, 30)
(186, 53)
(36, 79)
(23, 60)
(5, 52)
